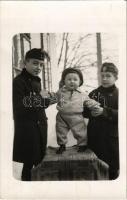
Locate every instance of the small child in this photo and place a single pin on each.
(102, 129)
(70, 108)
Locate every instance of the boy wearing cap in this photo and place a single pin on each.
(30, 121)
(102, 129)
(70, 108)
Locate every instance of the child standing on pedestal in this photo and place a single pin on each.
(70, 108)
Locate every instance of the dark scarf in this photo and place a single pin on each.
(107, 90)
(35, 80)
(30, 76)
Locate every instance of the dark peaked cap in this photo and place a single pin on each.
(109, 67)
(37, 54)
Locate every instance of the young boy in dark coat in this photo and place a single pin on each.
(102, 128)
(30, 121)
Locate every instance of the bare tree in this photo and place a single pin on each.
(87, 52)
(76, 49)
(74, 52)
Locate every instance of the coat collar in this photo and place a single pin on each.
(64, 89)
(107, 90)
(28, 76)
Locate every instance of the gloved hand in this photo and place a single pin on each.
(91, 104)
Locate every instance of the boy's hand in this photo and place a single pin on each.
(45, 94)
(97, 111)
(53, 98)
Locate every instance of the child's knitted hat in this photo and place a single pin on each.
(72, 70)
(109, 67)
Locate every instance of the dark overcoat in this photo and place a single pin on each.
(103, 130)
(30, 121)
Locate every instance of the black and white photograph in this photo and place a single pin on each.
(72, 78)
(63, 100)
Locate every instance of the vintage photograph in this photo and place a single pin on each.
(65, 106)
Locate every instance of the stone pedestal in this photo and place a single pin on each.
(71, 165)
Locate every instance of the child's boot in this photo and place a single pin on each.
(82, 148)
(61, 149)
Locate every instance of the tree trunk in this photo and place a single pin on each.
(61, 49)
(99, 56)
(66, 50)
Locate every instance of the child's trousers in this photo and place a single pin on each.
(73, 122)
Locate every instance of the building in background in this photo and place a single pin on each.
(24, 42)
(21, 44)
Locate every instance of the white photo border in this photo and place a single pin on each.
(54, 16)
